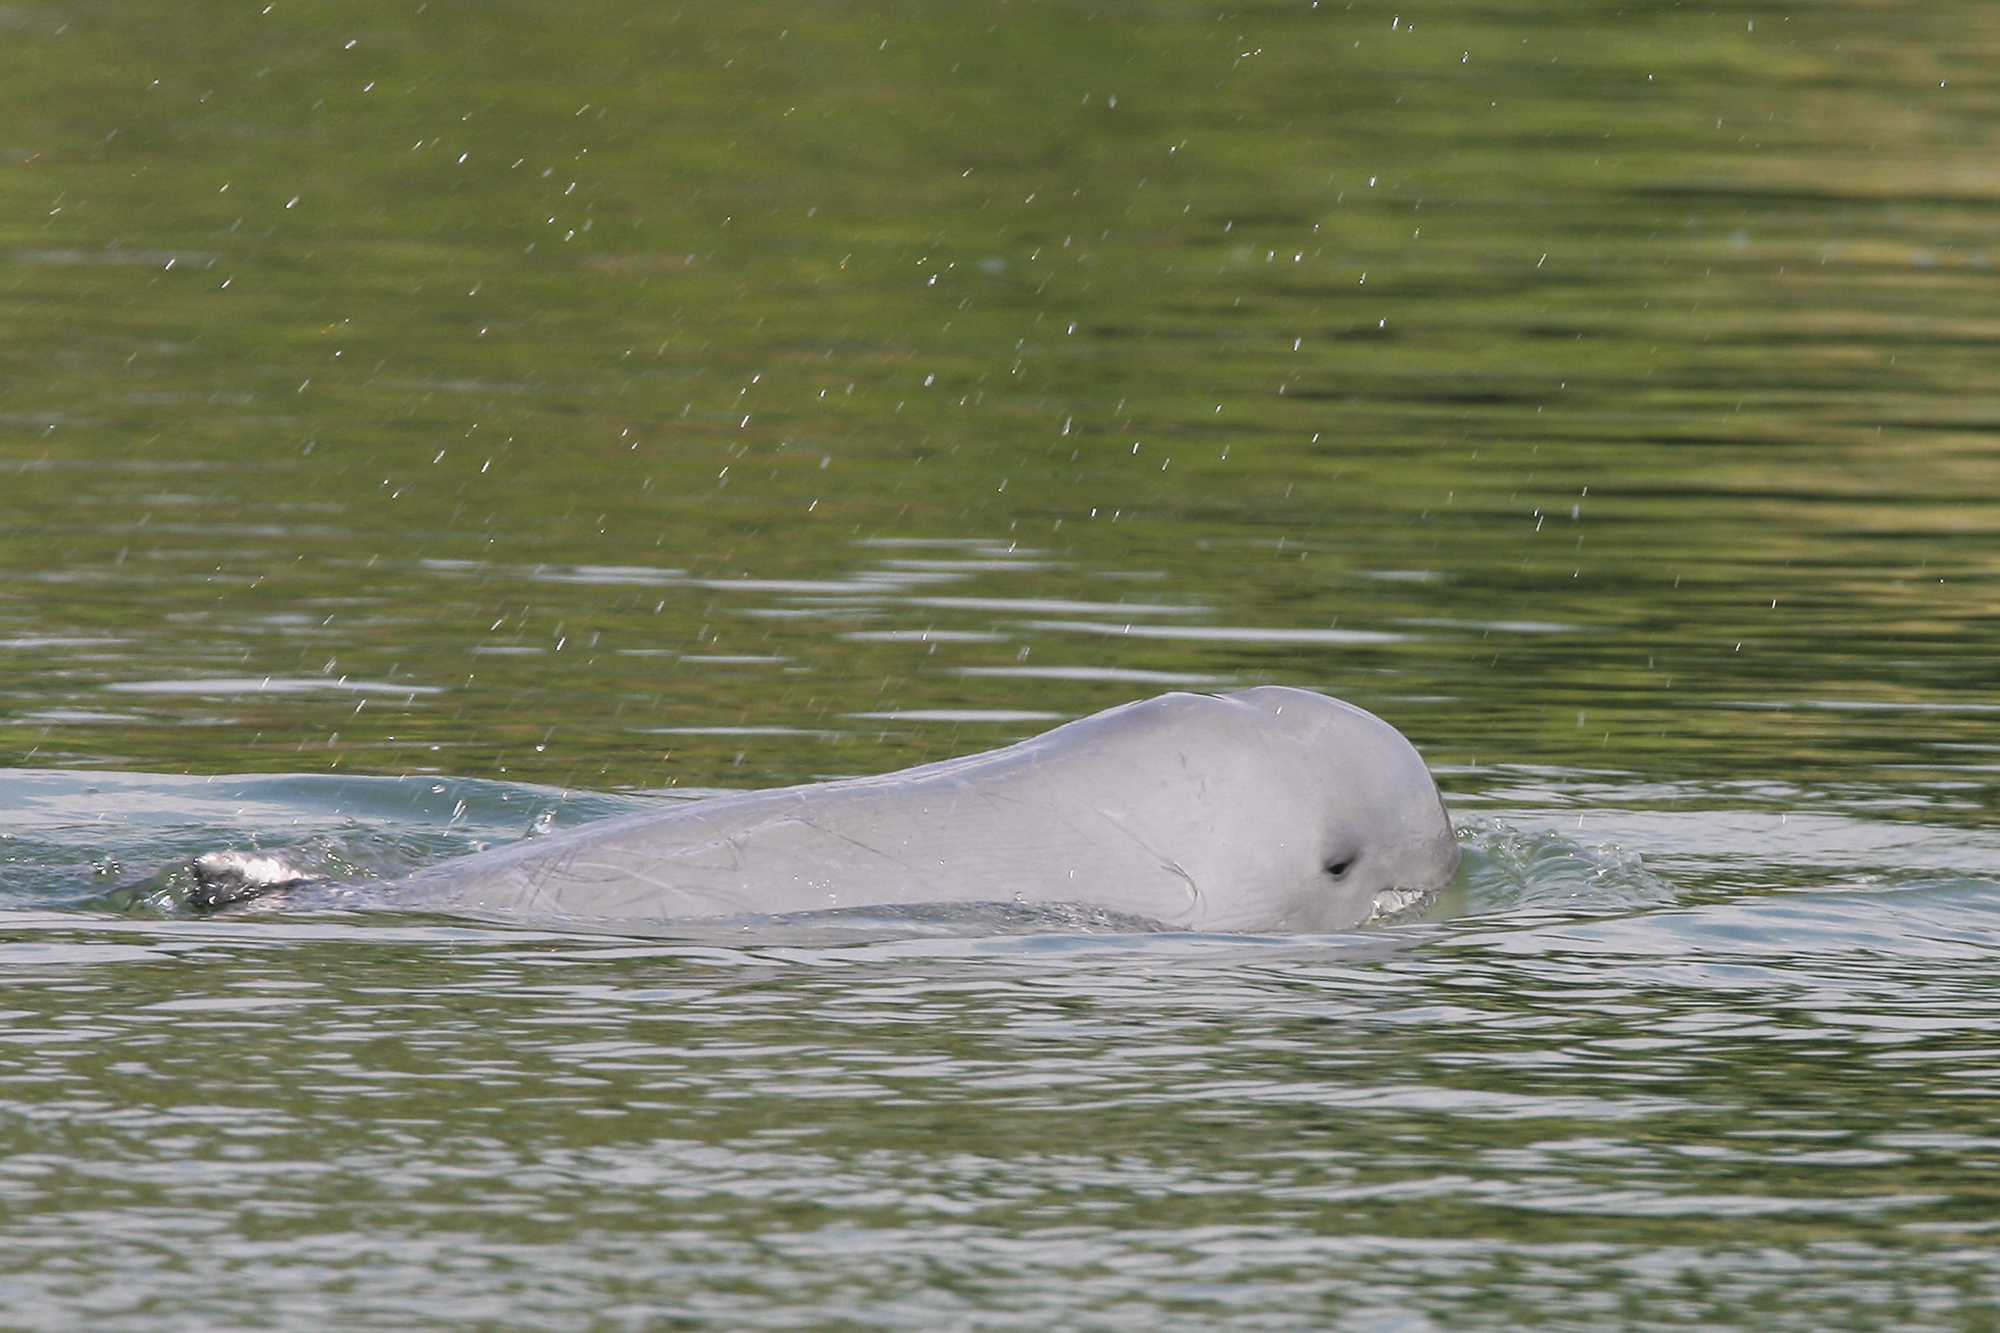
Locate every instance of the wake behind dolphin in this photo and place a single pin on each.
(1270, 809)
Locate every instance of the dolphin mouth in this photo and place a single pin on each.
(1391, 906)
(1399, 903)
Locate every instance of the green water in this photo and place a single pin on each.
(455, 297)
(526, 400)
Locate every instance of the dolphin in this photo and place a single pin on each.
(1271, 809)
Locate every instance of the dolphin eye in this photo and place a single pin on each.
(1340, 867)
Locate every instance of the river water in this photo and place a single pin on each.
(422, 424)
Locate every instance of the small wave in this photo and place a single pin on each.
(1507, 868)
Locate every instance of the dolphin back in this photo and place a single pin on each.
(1067, 816)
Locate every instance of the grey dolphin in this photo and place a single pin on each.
(1270, 809)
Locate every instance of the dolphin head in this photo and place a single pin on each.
(1347, 815)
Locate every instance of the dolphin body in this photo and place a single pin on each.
(1268, 810)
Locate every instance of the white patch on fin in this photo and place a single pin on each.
(227, 877)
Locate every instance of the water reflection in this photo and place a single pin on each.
(1525, 1115)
